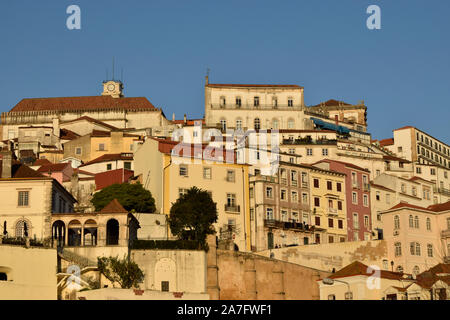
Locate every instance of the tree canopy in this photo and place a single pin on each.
(123, 271)
(131, 197)
(192, 216)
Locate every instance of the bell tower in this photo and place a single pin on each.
(113, 88)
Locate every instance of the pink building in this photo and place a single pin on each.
(357, 196)
(61, 172)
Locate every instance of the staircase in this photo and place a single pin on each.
(76, 259)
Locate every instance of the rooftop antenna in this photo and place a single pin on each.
(121, 75)
(107, 75)
(113, 69)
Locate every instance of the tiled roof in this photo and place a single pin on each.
(189, 122)
(386, 142)
(41, 162)
(109, 157)
(82, 104)
(218, 85)
(101, 133)
(331, 103)
(347, 164)
(428, 278)
(407, 205)
(395, 159)
(107, 178)
(440, 207)
(20, 171)
(53, 167)
(66, 134)
(92, 120)
(113, 207)
(357, 268)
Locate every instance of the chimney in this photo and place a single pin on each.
(173, 116)
(56, 129)
(185, 119)
(6, 164)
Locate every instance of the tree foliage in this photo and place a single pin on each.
(122, 271)
(192, 216)
(131, 197)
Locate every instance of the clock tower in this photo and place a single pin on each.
(113, 88)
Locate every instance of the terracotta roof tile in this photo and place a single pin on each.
(440, 207)
(357, 268)
(407, 205)
(53, 167)
(386, 142)
(113, 207)
(347, 164)
(82, 103)
(20, 171)
(110, 157)
(331, 103)
(41, 162)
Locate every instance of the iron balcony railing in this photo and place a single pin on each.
(234, 208)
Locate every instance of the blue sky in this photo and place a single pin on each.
(401, 71)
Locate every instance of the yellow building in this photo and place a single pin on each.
(328, 205)
(168, 174)
(98, 143)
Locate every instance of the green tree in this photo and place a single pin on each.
(192, 216)
(122, 271)
(131, 197)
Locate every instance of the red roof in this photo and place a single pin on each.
(110, 157)
(41, 162)
(395, 159)
(440, 207)
(189, 122)
(387, 142)
(332, 103)
(113, 207)
(357, 268)
(82, 104)
(53, 167)
(407, 205)
(105, 179)
(21, 171)
(66, 134)
(218, 85)
(347, 164)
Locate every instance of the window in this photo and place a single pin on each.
(269, 214)
(101, 147)
(257, 124)
(317, 202)
(366, 221)
(416, 222)
(366, 200)
(238, 101)
(403, 188)
(398, 249)
(283, 195)
(78, 151)
(430, 250)
(355, 221)
(256, 101)
(223, 124)
(331, 297)
(317, 221)
(433, 171)
(238, 124)
(396, 222)
(428, 224)
(330, 223)
(22, 229)
(231, 199)
(230, 176)
(330, 239)
(304, 198)
(309, 152)
(290, 102)
(418, 170)
(165, 286)
(339, 187)
(294, 196)
(291, 124)
(284, 215)
(182, 192)
(207, 173)
(183, 171)
(269, 193)
(316, 183)
(23, 198)
(325, 152)
(275, 124)
(348, 296)
(411, 221)
(339, 204)
(252, 214)
(377, 196)
(329, 185)
(109, 166)
(127, 165)
(354, 198)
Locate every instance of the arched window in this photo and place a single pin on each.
(257, 124)
(428, 224)
(398, 249)
(396, 222)
(238, 124)
(291, 124)
(223, 124)
(22, 229)
(112, 232)
(416, 222)
(411, 221)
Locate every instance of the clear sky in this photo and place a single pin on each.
(401, 71)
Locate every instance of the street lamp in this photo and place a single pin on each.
(330, 282)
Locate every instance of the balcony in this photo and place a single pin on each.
(294, 183)
(234, 209)
(332, 212)
(442, 191)
(271, 223)
(366, 187)
(251, 106)
(355, 185)
(309, 141)
(445, 233)
(304, 184)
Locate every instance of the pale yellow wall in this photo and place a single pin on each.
(31, 273)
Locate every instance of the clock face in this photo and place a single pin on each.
(111, 87)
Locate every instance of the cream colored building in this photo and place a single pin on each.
(381, 199)
(257, 107)
(168, 175)
(417, 237)
(27, 273)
